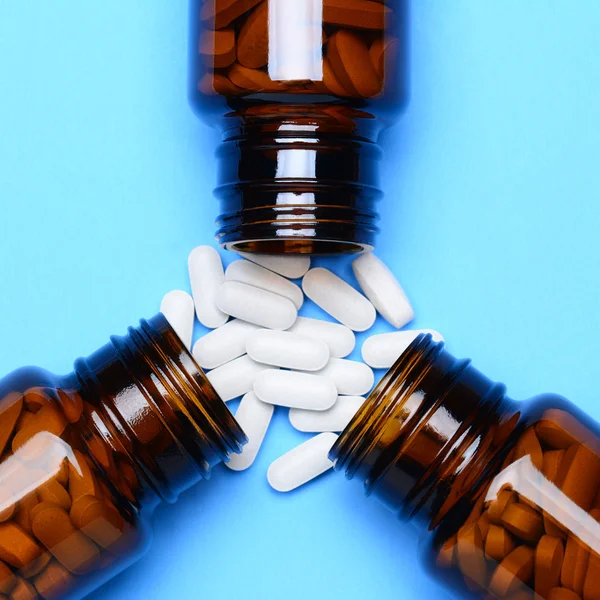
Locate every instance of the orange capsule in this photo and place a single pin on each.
(53, 527)
(523, 521)
(10, 410)
(515, 570)
(53, 582)
(17, 548)
(529, 445)
(548, 562)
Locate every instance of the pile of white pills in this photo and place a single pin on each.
(259, 347)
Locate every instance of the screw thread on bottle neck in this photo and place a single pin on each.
(305, 185)
(429, 434)
(156, 406)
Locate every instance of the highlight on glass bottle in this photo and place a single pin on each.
(509, 491)
(86, 458)
(302, 91)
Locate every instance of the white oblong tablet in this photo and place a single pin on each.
(288, 350)
(383, 290)
(236, 378)
(256, 306)
(178, 308)
(223, 344)
(292, 267)
(254, 417)
(252, 274)
(339, 338)
(383, 350)
(302, 464)
(295, 390)
(339, 299)
(351, 378)
(335, 419)
(206, 276)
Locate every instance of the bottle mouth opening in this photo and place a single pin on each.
(196, 402)
(363, 434)
(298, 246)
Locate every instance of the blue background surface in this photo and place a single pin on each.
(491, 222)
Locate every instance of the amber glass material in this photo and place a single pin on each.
(509, 491)
(87, 457)
(302, 90)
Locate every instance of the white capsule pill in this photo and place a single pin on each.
(340, 339)
(383, 290)
(254, 418)
(252, 274)
(335, 419)
(302, 464)
(383, 350)
(257, 306)
(236, 378)
(223, 344)
(292, 267)
(206, 276)
(295, 390)
(178, 308)
(339, 299)
(288, 350)
(351, 378)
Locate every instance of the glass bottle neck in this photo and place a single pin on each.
(299, 179)
(430, 434)
(147, 400)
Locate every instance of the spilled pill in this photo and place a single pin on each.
(383, 290)
(351, 378)
(256, 306)
(292, 267)
(295, 390)
(206, 276)
(302, 464)
(285, 349)
(223, 344)
(383, 350)
(254, 418)
(253, 274)
(335, 419)
(235, 378)
(339, 299)
(340, 339)
(178, 308)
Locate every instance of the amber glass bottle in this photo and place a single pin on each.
(86, 458)
(508, 491)
(301, 91)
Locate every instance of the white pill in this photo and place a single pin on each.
(340, 339)
(335, 419)
(206, 276)
(295, 390)
(288, 350)
(383, 290)
(223, 344)
(247, 272)
(254, 418)
(351, 378)
(257, 306)
(236, 378)
(292, 267)
(339, 299)
(302, 464)
(383, 350)
(178, 308)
